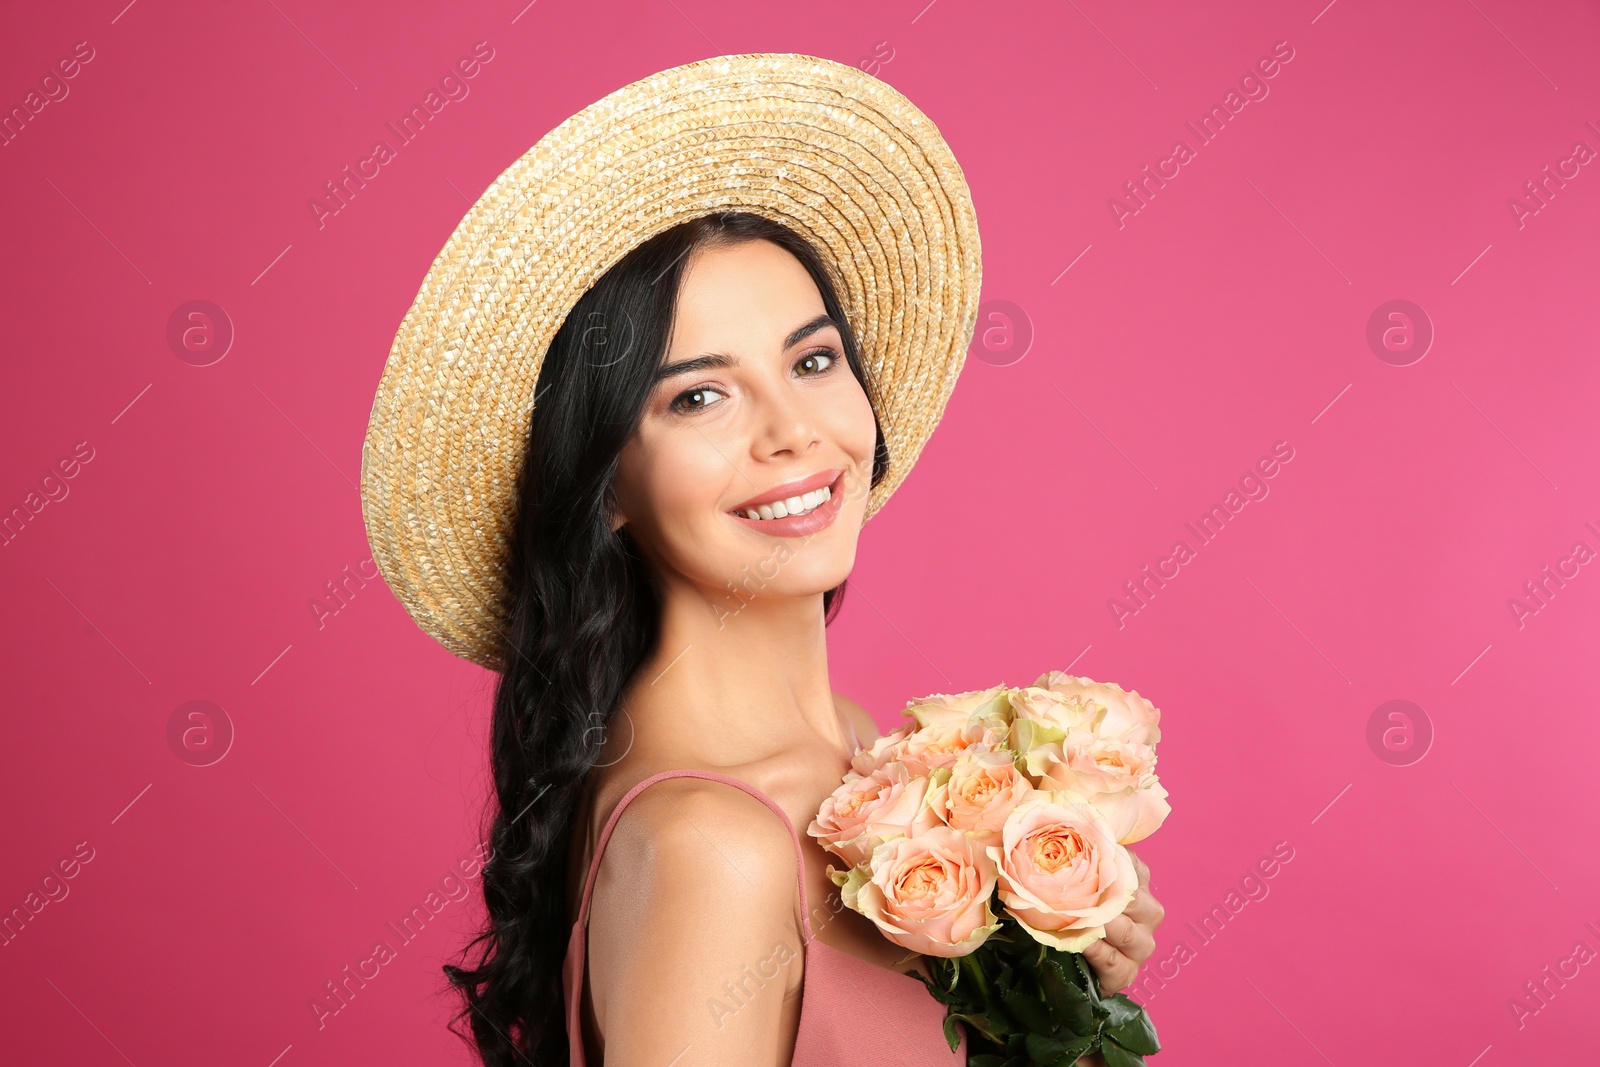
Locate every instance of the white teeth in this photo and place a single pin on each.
(795, 505)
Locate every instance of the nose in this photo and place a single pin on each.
(784, 423)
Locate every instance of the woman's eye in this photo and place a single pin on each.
(817, 361)
(696, 399)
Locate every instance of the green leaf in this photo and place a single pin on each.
(1045, 1048)
(938, 969)
(1028, 1009)
(1089, 982)
(1079, 1018)
(980, 1023)
(952, 1032)
(1026, 1004)
(1058, 986)
(1073, 1050)
(1121, 1010)
(1117, 1056)
(1137, 1035)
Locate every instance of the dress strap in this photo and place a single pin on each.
(577, 944)
(616, 813)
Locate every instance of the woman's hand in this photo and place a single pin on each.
(1130, 937)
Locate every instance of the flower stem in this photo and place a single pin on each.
(969, 963)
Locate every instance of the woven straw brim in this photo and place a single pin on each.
(825, 148)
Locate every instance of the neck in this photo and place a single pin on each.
(736, 681)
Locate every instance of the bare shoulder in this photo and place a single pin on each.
(679, 818)
(866, 726)
(697, 889)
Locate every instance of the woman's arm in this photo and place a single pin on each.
(693, 942)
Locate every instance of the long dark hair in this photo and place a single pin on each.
(582, 613)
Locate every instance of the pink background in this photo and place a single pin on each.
(1228, 314)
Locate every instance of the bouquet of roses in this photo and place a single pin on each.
(989, 834)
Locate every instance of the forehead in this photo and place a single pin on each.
(748, 294)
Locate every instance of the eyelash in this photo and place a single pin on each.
(833, 359)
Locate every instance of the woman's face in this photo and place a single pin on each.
(755, 405)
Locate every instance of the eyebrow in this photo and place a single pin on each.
(718, 360)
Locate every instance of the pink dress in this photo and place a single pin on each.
(847, 1003)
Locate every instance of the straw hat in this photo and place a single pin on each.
(830, 151)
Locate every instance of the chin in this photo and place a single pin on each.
(791, 567)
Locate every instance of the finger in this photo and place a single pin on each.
(1130, 939)
(1145, 910)
(1141, 868)
(1114, 971)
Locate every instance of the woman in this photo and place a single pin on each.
(708, 444)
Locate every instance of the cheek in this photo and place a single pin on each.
(666, 480)
(849, 423)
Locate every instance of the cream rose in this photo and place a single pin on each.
(866, 809)
(929, 893)
(1109, 710)
(1031, 703)
(1115, 777)
(1061, 875)
(947, 709)
(978, 792)
(884, 749)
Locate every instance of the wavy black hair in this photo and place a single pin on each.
(581, 613)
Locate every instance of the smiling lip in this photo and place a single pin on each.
(816, 519)
(789, 489)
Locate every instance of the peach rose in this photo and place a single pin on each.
(1061, 874)
(941, 744)
(883, 750)
(1115, 777)
(1111, 711)
(945, 709)
(866, 809)
(978, 792)
(929, 893)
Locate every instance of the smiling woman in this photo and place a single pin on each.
(741, 380)
(740, 292)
